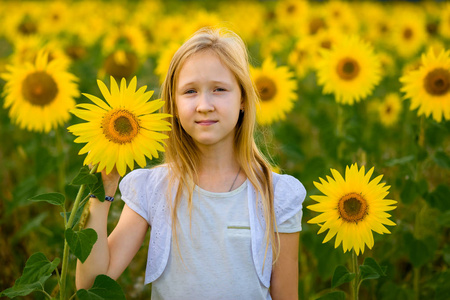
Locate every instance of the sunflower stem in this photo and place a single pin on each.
(416, 282)
(355, 281)
(65, 262)
(340, 133)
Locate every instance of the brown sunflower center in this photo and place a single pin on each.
(121, 64)
(326, 44)
(352, 208)
(408, 33)
(291, 9)
(266, 87)
(437, 82)
(348, 68)
(315, 25)
(27, 27)
(120, 126)
(39, 88)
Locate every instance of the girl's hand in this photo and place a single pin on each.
(110, 181)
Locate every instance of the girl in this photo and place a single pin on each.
(223, 226)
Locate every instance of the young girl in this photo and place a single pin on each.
(223, 226)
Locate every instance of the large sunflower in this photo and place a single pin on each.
(350, 70)
(429, 86)
(40, 94)
(122, 129)
(352, 208)
(276, 90)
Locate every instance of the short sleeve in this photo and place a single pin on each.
(289, 194)
(133, 192)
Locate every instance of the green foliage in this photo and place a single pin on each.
(341, 275)
(104, 288)
(52, 198)
(37, 270)
(371, 270)
(339, 295)
(81, 242)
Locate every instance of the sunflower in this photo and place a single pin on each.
(120, 64)
(389, 109)
(122, 129)
(301, 57)
(352, 208)
(276, 90)
(409, 34)
(429, 86)
(350, 70)
(39, 94)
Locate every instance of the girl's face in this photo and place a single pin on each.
(208, 99)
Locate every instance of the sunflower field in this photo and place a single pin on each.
(355, 103)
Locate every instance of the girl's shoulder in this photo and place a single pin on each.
(146, 176)
(289, 194)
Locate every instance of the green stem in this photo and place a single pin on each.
(416, 282)
(46, 294)
(355, 282)
(339, 131)
(65, 263)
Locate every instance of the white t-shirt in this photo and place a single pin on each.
(215, 245)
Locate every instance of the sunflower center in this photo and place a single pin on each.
(120, 126)
(315, 25)
(266, 87)
(437, 82)
(352, 208)
(121, 64)
(348, 68)
(407, 33)
(291, 9)
(39, 88)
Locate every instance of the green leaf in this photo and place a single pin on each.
(81, 242)
(52, 198)
(418, 252)
(439, 198)
(442, 159)
(84, 177)
(97, 188)
(369, 261)
(37, 270)
(339, 295)
(370, 269)
(409, 192)
(341, 275)
(104, 288)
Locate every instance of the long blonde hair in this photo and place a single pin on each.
(181, 153)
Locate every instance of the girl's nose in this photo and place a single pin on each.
(205, 103)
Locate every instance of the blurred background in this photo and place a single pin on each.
(97, 39)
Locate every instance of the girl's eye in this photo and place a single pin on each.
(219, 90)
(190, 92)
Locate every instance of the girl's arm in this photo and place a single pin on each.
(284, 281)
(110, 255)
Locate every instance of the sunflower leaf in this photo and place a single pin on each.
(371, 270)
(81, 242)
(37, 270)
(341, 275)
(104, 288)
(84, 177)
(52, 198)
(97, 189)
(339, 295)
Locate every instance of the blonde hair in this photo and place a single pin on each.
(181, 153)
